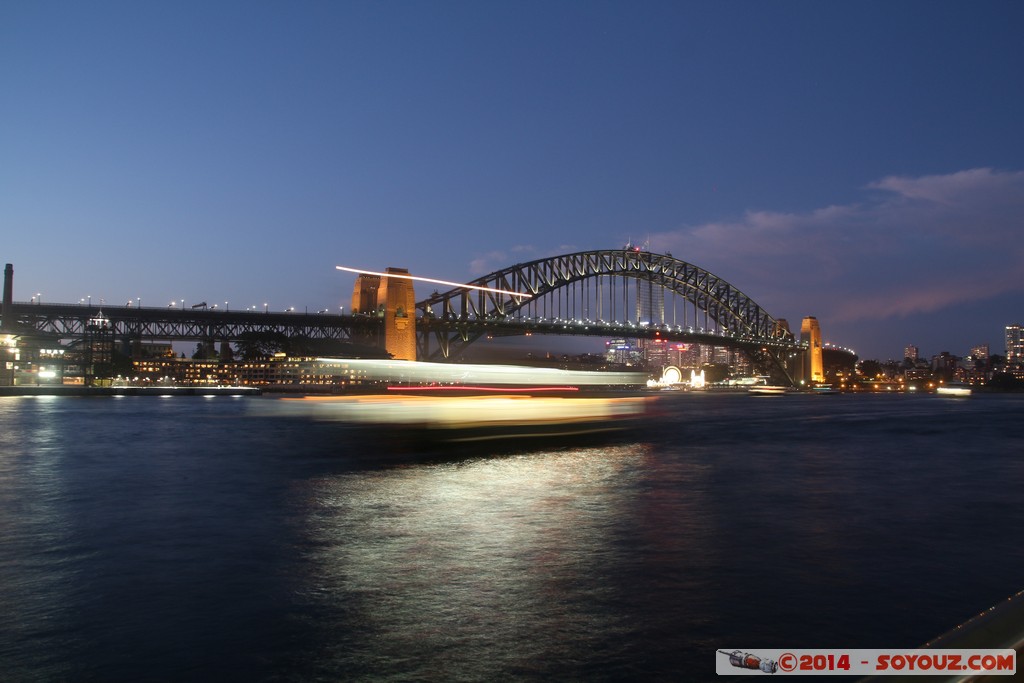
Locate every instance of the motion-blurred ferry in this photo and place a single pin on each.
(467, 414)
(452, 402)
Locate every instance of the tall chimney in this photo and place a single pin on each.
(8, 295)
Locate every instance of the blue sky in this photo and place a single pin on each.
(860, 162)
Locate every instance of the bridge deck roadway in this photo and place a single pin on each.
(72, 320)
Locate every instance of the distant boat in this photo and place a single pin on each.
(826, 389)
(768, 390)
(954, 389)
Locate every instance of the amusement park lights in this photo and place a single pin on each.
(437, 282)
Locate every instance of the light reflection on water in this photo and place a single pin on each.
(444, 566)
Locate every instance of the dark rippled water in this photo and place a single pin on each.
(191, 539)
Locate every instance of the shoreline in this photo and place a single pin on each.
(62, 390)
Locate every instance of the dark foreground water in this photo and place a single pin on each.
(188, 539)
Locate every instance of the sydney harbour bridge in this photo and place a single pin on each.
(627, 293)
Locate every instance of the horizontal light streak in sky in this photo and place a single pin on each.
(437, 282)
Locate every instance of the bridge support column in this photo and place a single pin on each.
(810, 333)
(394, 299)
(399, 301)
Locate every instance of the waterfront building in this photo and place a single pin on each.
(279, 372)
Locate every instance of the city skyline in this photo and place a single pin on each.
(860, 164)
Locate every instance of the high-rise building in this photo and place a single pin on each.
(1014, 345)
(623, 351)
(650, 303)
(656, 353)
(911, 352)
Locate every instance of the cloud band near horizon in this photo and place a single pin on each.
(914, 245)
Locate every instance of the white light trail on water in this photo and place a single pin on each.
(437, 282)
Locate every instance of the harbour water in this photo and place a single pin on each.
(194, 538)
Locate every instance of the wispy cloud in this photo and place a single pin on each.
(914, 245)
(491, 261)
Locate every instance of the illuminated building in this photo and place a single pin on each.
(650, 304)
(911, 352)
(656, 353)
(280, 372)
(688, 356)
(707, 354)
(1014, 345)
(623, 352)
(810, 334)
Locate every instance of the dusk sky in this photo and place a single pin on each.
(862, 162)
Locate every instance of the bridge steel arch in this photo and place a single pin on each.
(459, 316)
